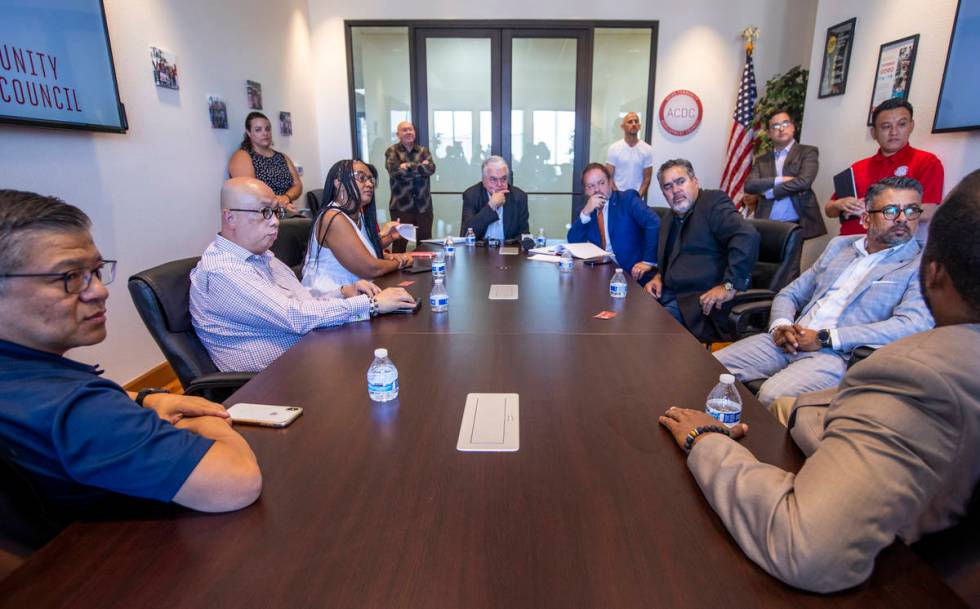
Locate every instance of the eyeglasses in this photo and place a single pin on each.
(362, 178)
(781, 125)
(78, 280)
(891, 212)
(267, 212)
(496, 180)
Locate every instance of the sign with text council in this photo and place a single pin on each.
(56, 66)
(680, 112)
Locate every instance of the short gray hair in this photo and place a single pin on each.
(23, 214)
(891, 182)
(493, 161)
(686, 164)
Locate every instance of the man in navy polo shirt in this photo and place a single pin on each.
(80, 440)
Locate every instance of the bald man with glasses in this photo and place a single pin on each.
(247, 306)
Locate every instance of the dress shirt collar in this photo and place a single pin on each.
(902, 157)
(784, 151)
(20, 352)
(861, 245)
(226, 246)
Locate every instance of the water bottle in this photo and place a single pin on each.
(470, 237)
(449, 246)
(566, 263)
(723, 402)
(541, 241)
(382, 378)
(439, 297)
(439, 264)
(617, 287)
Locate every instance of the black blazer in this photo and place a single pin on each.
(802, 163)
(478, 215)
(716, 244)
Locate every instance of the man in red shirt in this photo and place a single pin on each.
(891, 126)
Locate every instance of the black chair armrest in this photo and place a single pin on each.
(752, 295)
(858, 354)
(750, 318)
(204, 385)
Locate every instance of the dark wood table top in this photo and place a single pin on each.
(372, 506)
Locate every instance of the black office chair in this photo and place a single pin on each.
(314, 201)
(780, 249)
(290, 246)
(662, 212)
(25, 521)
(162, 298)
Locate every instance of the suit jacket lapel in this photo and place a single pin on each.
(884, 267)
(668, 219)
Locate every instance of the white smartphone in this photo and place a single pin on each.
(266, 415)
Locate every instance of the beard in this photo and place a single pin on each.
(895, 235)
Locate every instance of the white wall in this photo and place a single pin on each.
(699, 48)
(837, 125)
(153, 192)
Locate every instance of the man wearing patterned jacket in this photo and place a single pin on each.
(861, 291)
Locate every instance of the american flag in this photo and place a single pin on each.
(738, 154)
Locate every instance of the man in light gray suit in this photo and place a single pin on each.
(863, 290)
(898, 451)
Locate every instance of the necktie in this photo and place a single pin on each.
(602, 229)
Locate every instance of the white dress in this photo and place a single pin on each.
(322, 272)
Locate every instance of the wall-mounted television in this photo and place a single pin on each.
(56, 66)
(958, 108)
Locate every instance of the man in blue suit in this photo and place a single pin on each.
(863, 290)
(618, 222)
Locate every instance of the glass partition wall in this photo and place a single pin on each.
(546, 96)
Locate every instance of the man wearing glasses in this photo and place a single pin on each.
(783, 179)
(863, 290)
(247, 306)
(78, 439)
(493, 208)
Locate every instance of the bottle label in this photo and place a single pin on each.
(438, 267)
(726, 412)
(383, 387)
(438, 301)
(470, 239)
(541, 242)
(565, 264)
(617, 290)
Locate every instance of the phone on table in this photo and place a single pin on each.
(265, 415)
(418, 266)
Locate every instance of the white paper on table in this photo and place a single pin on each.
(491, 423)
(407, 231)
(551, 250)
(586, 250)
(503, 291)
(545, 258)
(443, 240)
(510, 250)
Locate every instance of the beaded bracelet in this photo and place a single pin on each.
(697, 431)
(373, 308)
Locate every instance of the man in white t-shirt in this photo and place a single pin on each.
(630, 160)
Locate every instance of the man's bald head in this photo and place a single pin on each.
(242, 201)
(631, 124)
(245, 192)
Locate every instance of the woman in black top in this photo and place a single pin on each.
(257, 159)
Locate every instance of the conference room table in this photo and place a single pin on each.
(372, 505)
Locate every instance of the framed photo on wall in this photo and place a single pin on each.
(836, 58)
(893, 78)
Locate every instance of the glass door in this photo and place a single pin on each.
(515, 93)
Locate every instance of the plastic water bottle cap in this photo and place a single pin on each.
(619, 270)
(728, 379)
(380, 353)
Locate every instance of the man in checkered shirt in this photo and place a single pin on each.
(247, 306)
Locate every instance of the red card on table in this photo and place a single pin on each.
(605, 315)
(422, 254)
(405, 284)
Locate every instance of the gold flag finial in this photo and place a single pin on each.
(749, 34)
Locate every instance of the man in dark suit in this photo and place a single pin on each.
(783, 179)
(618, 222)
(493, 208)
(706, 252)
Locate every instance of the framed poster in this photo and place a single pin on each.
(893, 78)
(836, 58)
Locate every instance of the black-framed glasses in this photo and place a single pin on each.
(78, 280)
(267, 212)
(891, 212)
(781, 125)
(363, 178)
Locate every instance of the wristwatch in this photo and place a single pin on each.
(824, 337)
(728, 286)
(147, 391)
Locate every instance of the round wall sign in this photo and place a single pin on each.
(680, 112)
